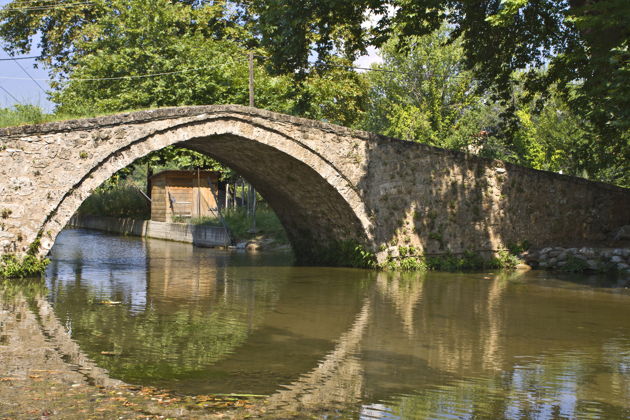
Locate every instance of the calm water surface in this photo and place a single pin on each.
(345, 343)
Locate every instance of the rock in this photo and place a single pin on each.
(588, 252)
(530, 256)
(622, 252)
(555, 252)
(552, 261)
(392, 251)
(617, 259)
(622, 234)
(241, 245)
(623, 267)
(592, 264)
(499, 170)
(253, 246)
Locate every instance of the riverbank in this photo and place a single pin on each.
(574, 260)
(580, 259)
(198, 235)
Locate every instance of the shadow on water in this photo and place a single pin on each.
(342, 342)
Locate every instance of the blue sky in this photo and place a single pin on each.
(26, 91)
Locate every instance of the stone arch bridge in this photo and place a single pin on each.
(328, 184)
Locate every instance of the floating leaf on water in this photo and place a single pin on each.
(109, 302)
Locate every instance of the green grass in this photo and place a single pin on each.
(239, 223)
(32, 114)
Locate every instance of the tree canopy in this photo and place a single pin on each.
(535, 81)
(576, 49)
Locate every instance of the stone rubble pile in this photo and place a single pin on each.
(580, 259)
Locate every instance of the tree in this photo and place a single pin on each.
(118, 55)
(579, 48)
(91, 51)
(424, 94)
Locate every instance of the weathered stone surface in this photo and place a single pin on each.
(327, 183)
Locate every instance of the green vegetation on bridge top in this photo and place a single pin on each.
(24, 114)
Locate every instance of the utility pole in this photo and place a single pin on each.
(250, 57)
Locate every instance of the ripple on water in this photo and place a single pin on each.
(343, 343)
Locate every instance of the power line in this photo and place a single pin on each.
(29, 57)
(349, 67)
(29, 76)
(45, 7)
(93, 79)
(410, 73)
(9, 93)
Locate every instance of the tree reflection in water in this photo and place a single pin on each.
(318, 339)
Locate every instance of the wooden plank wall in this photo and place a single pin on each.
(186, 188)
(159, 199)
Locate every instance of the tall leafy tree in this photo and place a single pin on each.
(102, 54)
(115, 55)
(577, 48)
(424, 93)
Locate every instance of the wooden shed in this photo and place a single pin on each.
(181, 195)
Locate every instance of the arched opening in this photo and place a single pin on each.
(316, 203)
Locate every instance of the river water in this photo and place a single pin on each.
(345, 343)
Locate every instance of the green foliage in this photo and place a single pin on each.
(423, 93)
(574, 265)
(118, 200)
(577, 50)
(239, 223)
(22, 114)
(506, 259)
(29, 265)
(467, 261)
(518, 247)
(407, 263)
(348, 253)
(410, 260)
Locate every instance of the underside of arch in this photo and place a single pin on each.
(314, 214)
(317, 206)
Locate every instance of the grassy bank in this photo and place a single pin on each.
(268, 225)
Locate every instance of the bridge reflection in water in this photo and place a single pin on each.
(322, 340)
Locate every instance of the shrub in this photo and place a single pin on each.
(117, 201)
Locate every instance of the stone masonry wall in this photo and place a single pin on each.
(327, 183)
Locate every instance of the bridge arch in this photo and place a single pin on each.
(327, 183)
(314, 199)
